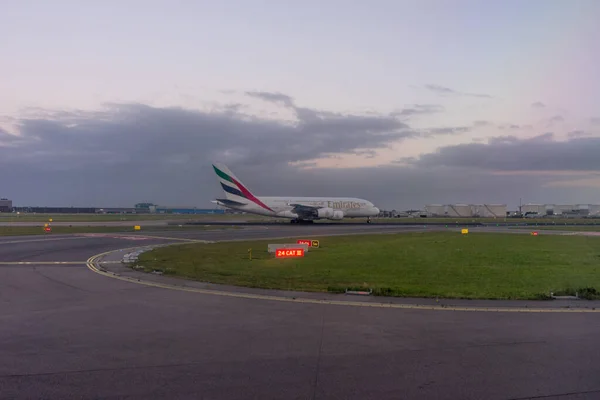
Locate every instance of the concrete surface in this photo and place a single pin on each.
(67, 332)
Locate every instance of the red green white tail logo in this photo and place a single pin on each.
(232, 186)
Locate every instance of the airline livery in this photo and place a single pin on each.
(297, 209)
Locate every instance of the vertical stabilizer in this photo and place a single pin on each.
(234, 189)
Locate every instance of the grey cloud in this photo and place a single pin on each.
(153, 133)
(538, 104)
(128, 153)
(595, 121)
(445, 131)
(503, 139)
(509, 126)
(481, 123)
(557, 118)
(419, 109)
(131, 148)
(367, 153)
(273, 97)
(509, 153)
(447, 91)
(577, 133)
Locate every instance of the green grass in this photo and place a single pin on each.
(445, 264)
(57, 230)
(582, 228)
(11, 217)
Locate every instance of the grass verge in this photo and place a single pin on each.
(582, 228)
(440, 264)
(57, 230)
(12, 217)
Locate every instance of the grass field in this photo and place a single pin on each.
(56, 230)
(11, 217)
(583, 228)
(445, 264)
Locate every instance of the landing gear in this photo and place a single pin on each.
(301, 221)
(368, 220)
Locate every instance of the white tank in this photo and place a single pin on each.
(534, 208)
(564, 208)
(435, 210)
(493, 211)
(460, 210)
(594, 210)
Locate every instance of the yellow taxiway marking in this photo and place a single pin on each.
(47, 239)
(91, 264)
(52, 262)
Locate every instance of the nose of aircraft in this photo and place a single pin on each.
(375, 211)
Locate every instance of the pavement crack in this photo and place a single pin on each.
(91, 370)
(58, 281)
(317, 369)
(546, 396)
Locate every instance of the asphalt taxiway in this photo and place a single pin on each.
(69, 332)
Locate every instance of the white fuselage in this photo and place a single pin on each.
(282, 207)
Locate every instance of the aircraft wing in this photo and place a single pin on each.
(227, 202)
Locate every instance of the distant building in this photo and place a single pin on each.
(5, 205)
(144, 208)
(115, 210)
(186, 210)
(56, 210)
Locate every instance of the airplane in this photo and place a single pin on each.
(297, 209)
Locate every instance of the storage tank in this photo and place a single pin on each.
(493, 211)
(534, 208)
(460, 210)
(436, 210)
(564, 208)
(594, 210)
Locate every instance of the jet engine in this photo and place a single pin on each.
(337, 215)
(325, 212)
(287, 214)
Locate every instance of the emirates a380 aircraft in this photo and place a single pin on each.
(297, 209)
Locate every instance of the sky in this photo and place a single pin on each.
(404, 103)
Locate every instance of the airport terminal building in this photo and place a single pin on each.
(6, 205)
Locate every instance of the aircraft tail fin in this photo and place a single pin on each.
(233, 188)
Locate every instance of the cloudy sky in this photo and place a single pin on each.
(108, 103)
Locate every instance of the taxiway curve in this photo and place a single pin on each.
(67, 332)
